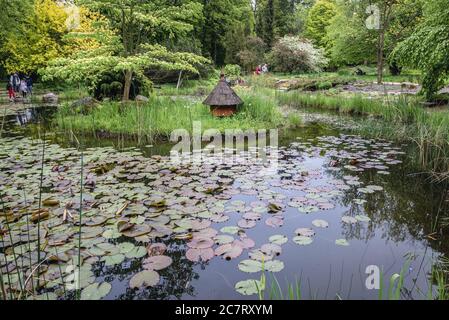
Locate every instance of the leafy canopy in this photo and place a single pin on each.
(130, 39)
(428, 47)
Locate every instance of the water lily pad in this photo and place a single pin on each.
(156, 249)
(246, 224)
(362, 218)
(341, 242)
(349, 219)
(200, 243)
(137, 230)
(146, 278)
(320, 223)
(258, 255)
(306, 232)
(274, 222)
(249, 287)
(111, 234)
(271, 249)
(136, 252)
(113, 260)
(229, 251)
(308, 209)
(125, 247)
(223, 239)
(196, 255)
(274, 266)
(302, 240)
(278, 239)
(230, 229)
(250, 266)
(157, 262)
(96, 291)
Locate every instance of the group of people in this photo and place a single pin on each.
(261, 69)
(16, 85)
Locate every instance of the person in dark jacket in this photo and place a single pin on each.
(29, 82)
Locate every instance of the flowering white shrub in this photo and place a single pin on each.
(295, 54)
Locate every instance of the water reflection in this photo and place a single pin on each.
(403, 215)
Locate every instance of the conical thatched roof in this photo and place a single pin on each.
(223, 95)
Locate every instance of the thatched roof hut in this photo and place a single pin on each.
(223, 101)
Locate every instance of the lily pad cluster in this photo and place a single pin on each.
(131, 205)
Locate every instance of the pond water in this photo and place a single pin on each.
(335, 204)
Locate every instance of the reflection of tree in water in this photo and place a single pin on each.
(175, 280)
(409, 208)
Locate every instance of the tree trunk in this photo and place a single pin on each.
(127, 88)
(179, 80)
(380, 56)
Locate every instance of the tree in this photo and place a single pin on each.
(383, 13)
(274, 19)
(36, 38)
(130, 42)
(367, 31)
(319, 18)
(221, 19)
(428, 47)
(252, 54)
(293, 54)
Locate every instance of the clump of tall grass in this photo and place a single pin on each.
(162, 114)
(403, 120)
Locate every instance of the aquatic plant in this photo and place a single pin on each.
(403, 119)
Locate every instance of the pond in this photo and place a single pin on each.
(335, 205)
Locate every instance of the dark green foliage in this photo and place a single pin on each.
(428, 47)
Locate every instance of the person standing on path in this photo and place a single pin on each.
(10, 89)
(16, 82)
(29, 82)
(23, 88)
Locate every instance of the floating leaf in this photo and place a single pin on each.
(306, 232)
(230, 229)
(157, 262)
(200, 243)
(274, 222)
(96, 291)
(113, 260)
(156, 249)
(137, 230)
(271, 249)
(341, 242)
(111, 234)
(249, 287)
(362, 218)
(278, 239)
(146, 278)
(302, 240)
(196, 255)
(308, 209)
(320, 223)
(349, 219)
(229, 251)
(223, 239)
(136, 252)
(125, 247)
(274, 266)
(250, 266)
(246, 224)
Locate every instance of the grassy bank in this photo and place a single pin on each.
(402, 119)
(161, 115)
